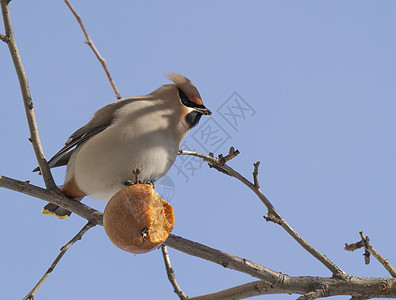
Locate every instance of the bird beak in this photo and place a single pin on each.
(204, 111)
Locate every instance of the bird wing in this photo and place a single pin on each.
(99, 122)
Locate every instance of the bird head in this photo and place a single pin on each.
(190, 99)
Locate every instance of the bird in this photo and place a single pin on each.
(135, 133)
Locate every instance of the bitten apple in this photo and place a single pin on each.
(137, 220)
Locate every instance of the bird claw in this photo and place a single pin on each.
(136, 181)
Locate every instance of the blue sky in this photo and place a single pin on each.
(318, 78)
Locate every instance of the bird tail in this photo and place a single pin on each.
(56, 211)
(70, 189)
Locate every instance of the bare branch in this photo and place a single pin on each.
(224, 259)
(184, 245)
(96, 51)
(247, 290)
(383, 261)
(365, 242)
(218, 164)
(54, 197)
(255, 174)
(4, 38)
(354, 246)
(310, 287)
(278, 283)
(271, 218)
(171, 274)
(63, 250)
(27, 99)
(231, 154)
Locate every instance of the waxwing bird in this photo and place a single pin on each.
(137, 132)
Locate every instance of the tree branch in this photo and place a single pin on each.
(171, 274)
(63, 250)
(220, 165)
(184, 245)
(309, 288)
(27, 99)
(225, 259)
(60, 199)
(278, 283)
(365, 242)
(96, 51)
(255, 174)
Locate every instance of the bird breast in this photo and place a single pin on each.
(140, 137)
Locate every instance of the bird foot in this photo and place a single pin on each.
(137, 181)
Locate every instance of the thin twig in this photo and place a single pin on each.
(217, 164)
(4, 38)
(365, 242)
(232, 153)
(171, 274)
(353, 246)
(382, 260)
(27, 98)
(91, 44)
(63, 250)
(255, 174)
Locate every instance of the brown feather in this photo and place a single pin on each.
(186, 86)
(71, 189)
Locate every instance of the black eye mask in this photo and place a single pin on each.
(187, 102)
